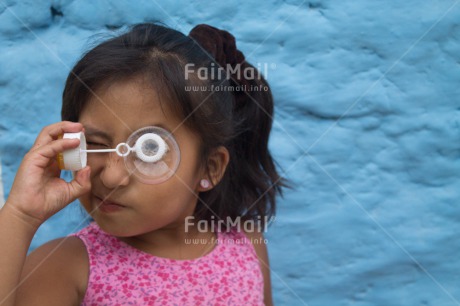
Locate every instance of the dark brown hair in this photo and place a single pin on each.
(239, 120)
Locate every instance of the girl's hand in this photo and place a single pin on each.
(38, 192)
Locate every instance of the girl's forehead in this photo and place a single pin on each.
(124, 107)
(132, 93)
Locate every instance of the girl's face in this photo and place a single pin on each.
(119, 110)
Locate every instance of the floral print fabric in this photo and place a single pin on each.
(120, 274)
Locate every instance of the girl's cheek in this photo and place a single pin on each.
(96, 163)
(86, 202)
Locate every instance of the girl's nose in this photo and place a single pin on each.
(114, 173)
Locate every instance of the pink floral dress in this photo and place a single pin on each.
(120, 274)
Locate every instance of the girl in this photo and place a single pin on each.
(138, 250)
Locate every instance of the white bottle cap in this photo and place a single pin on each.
(75, 159)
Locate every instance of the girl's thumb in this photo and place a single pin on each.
(81, 184)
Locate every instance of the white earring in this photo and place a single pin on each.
(204, 183)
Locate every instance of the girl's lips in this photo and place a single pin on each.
(107, 206)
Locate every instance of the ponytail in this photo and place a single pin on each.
(251, 182)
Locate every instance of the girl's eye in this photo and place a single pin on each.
(95, 144)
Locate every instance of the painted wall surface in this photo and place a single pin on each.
(367, 127)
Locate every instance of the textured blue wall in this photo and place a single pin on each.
(367, 126)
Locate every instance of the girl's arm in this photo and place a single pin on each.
(37, 194)
(15, 237)
(55, 274)
(51, 275)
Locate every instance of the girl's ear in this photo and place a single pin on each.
(217, 164)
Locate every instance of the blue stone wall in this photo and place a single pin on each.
(367, 128)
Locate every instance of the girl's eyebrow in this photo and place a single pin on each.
(91, 131)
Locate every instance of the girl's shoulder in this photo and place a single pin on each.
(55, 273)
